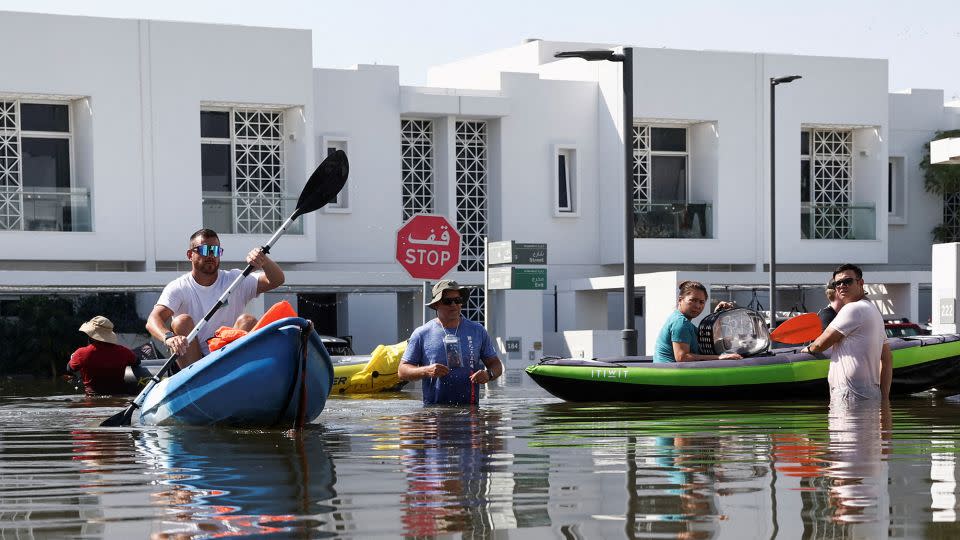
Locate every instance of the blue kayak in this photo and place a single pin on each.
(253, 381)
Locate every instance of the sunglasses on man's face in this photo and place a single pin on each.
(450, 301)
(206, 250)
(846, 282)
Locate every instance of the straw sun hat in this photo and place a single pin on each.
(99, 328)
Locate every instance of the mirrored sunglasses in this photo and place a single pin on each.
(846, 282)
(206, 250)
(450, 301)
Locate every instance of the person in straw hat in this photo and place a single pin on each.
(102, 363)
(452, 354)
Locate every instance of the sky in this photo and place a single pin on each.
(921, 38)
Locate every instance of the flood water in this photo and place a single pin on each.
(523, 465)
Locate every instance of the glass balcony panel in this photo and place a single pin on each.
(838, 222)
(49, 209)
(220, 210)
(680, 219)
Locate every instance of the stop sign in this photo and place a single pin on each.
(428, 246)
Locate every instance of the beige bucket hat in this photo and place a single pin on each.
(99, 328)
(446, 285)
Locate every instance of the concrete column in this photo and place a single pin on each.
(520, 316)
(661, 300)
(945, 287)
(581, 310)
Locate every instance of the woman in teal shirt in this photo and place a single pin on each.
(677, 341)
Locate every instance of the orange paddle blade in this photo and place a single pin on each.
(800, 329)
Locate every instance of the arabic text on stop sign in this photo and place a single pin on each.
(430, 257)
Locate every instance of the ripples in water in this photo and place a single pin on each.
(523, 464)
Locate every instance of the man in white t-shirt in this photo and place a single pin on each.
(185, 300)
(861, 364)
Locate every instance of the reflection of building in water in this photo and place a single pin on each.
(56, 484)
(944, 483)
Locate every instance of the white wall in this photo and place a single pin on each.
(833, 92)
(192, 64)
(915, 117)
(97, 61)
(372, 320)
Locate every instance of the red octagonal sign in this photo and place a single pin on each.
(428, 246)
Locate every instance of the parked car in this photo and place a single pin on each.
(337, 346)
(903, 328)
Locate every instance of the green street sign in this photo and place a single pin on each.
(509, 277)
(510, 252)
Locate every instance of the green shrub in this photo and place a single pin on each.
(941, 180)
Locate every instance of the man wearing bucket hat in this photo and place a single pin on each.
(102, 363)
(452, 354)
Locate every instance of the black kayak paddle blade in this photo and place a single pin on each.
(324, 184)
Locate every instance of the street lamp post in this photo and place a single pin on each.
(629, 332)
(774, 81)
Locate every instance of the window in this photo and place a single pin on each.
(660, 170)
(471, 192)
(242, 172)
(660, 186)
(565, 181)
(896, 191)
(342, 202)
(826, 183)
(37, 190)
(416, 147)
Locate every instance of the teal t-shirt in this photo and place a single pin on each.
(676, 329)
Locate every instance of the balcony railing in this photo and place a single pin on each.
(248, 214)
(678, 219)
(838, 222)
(45, 209)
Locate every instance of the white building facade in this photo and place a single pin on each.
(119, 138)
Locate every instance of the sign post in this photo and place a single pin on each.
(428, 247)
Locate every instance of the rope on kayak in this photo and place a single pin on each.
(304, 338)
(304, 350)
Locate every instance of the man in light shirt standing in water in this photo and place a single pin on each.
(861, 364)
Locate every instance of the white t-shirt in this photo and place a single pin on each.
(855, 360)
(185, 295)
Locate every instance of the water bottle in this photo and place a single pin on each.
(451, 344)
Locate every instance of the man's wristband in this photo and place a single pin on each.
(167, 336)
(490, 374)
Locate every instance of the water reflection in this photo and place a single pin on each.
(520, 466)
(857, 467)
(447, 455)
(824, 471)
(231, 483)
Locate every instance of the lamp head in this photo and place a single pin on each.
(784, 80)
(592, 55)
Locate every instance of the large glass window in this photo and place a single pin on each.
(242, 172)
(660, 173)
(660, 186)
(36, 170)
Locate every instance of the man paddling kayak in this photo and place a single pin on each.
(185, 300)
